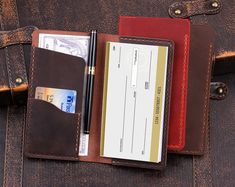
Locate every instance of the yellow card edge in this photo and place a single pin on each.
(104, 99)
(157, 117)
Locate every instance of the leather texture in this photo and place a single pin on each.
(185, 9)
(215, 168)
(51, 133)
(200, 66)
(191, 77)
(15, 90)
(149, 27)
(17, 36)
(15, 64)
(12, 67)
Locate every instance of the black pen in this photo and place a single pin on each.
(90, 81)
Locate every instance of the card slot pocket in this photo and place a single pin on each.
(137, 164)
(57, 70)
(51, 133)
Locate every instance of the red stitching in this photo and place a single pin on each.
(205, 105)
(182, 112)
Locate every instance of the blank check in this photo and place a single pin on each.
(133, 101)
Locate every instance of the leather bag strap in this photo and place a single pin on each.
(16, 70)
(15, 62)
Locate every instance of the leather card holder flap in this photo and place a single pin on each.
(50, 132)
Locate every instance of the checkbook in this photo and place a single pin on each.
(131, 99)
(134, 101)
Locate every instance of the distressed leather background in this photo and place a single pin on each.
(216, 168)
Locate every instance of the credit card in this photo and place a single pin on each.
(63, 99)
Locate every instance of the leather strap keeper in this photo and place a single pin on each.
(222, 65)
(185, 9)
(15, 91)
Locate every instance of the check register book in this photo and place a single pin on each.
(131, 99)
(191, 76)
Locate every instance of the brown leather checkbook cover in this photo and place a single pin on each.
(199, 78)
(54, 134)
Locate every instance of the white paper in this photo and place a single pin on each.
(130, 101)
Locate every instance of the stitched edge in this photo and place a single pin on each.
(20, 46)
(195, 168)
(33, 67)
(169, 77)
(77, 134)
(43, 155)
(54, 157)
(159, 41)
(8, 152)
(30, 95)
(9, 72)
(5, 177)
(22, 144)
(6, 167)
(182, 112)
(11, 83)
(32, 82)
(24, 32)
(207, 141)
(206, 101)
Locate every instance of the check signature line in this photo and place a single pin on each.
(124, 117)
(147, 83)
(133, 128)
(119, 60)
(145, 129)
